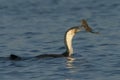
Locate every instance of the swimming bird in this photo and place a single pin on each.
(69, 34)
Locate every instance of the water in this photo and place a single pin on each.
(32, 27)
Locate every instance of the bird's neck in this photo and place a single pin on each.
(68, 43)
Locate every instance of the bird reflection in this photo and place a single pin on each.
(70, 61)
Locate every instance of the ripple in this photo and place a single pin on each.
(61, 48)
(108, 44)
(31, 33)
(23, 23)
(34, 50)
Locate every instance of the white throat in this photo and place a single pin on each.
(68, 41)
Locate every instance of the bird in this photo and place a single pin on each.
(68, 38)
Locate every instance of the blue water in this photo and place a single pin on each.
(32, 27)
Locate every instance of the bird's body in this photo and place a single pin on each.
(70, 33)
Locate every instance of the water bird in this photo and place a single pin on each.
(69, 34)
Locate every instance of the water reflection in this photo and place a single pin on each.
(70, 61)
(71, 68)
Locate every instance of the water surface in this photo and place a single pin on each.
(29, 28)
